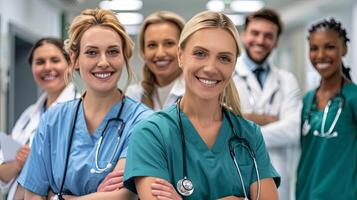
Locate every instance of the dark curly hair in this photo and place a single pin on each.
(332, 24)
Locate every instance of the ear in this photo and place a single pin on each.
(344, 50)
(74, 64)
(179, 57)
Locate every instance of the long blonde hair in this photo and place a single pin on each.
(149, 80)
(96, 17)
(229, 98)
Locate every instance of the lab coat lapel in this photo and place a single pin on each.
(271, 85)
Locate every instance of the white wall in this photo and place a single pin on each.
(38, 17)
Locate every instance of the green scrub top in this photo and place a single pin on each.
(328, 166)
(155, 150)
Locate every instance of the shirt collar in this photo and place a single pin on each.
(253, 65)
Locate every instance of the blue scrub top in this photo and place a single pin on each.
(45, 166)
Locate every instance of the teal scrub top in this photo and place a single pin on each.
(45, 165)
(328, 166)
(155, 150)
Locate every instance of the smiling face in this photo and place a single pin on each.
(326, 52)
(100, 59)
(207, 64)
(160, 51)
(260, 38)
(48, 68)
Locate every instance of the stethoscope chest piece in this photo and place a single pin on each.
(185, 186)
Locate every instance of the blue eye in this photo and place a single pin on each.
(113, 52)
(91, 53)
(225, 59)
(199, 54)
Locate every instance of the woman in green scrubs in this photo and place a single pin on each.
(192, 138)
(328, 164)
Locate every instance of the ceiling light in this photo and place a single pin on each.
(215, 5)
(130, 18)
(246, 5)
(236, 19)
(121, 5)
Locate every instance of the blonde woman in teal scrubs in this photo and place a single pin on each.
(201, 147)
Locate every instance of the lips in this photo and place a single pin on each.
(208, 82)
(49, 77)
(322, 65)
(102, 75)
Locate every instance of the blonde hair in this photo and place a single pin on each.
(96, 17)
(149, 80)
(229, 98)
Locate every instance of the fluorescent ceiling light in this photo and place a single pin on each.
(130, 18)
(215, 5)
(121, 5)
(246, 5)
(236, 19)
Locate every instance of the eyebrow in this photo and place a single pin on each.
(205, 49)
(96, 47)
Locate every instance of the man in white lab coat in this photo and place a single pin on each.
(270, 96)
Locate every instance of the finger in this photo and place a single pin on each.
(163, 182)
(163, 198)
(161, 187)
(115, 180)
(161, 193)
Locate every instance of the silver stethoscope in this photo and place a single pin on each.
(185, 186)
(323, 133)
(97, 169)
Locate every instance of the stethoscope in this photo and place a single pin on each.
(323, 133)
(97, 169)
(185, 186)
(251, 99)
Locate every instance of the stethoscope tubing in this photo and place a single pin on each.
(245, 144)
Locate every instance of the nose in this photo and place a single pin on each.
(260, 39)
(47, 65)
(210, 65)
(161, 51)
(103, 61)
(320, 53)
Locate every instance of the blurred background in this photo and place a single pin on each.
(22, 22)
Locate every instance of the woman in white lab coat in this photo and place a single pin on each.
(49, 62)
(162, 83)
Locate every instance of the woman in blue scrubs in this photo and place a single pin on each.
(328, 163)
(185, 148)
(79, 142)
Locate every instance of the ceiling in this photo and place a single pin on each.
(186, 8)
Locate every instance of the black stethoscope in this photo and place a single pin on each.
(97, 169)
(322, 133)
(185, 186)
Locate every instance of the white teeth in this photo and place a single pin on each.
(322, 65)
(208, 82)
(102, 75)
(162, 62)
(48, 77)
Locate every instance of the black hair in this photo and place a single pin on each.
(332, 24)
(47, 40)
(267, 14)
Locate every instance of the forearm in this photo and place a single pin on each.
(117, 194)
(9, 170)
(32, 196)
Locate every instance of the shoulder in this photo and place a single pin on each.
(309, 95)
(135, 110)
(283, 74)
(350, 90)
(160, 122)
(60, 111)
(134, 91)
(246, 128)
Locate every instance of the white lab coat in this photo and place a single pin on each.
(281, 137)
(136, 91)
(26, 126)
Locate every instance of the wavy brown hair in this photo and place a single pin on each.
(97, 17)
(149, 80)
